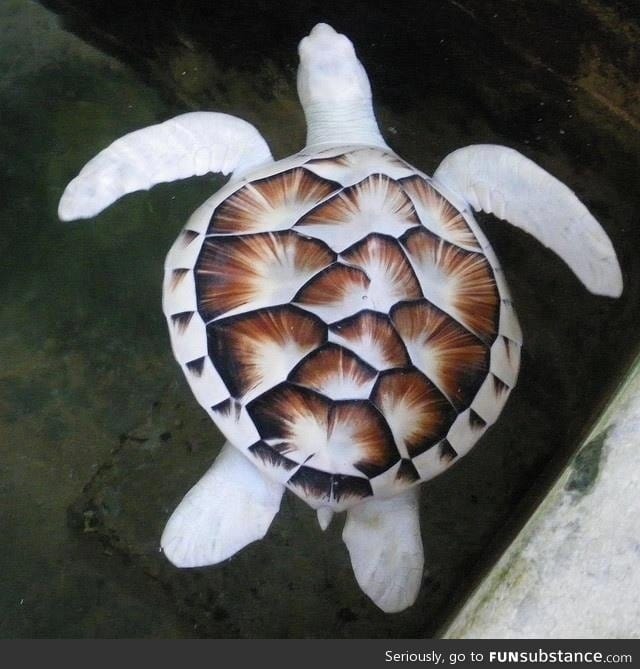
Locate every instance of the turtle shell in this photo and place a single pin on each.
(343, 323)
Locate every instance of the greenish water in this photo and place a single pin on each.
(101, 437)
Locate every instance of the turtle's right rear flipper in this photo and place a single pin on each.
(385, 546)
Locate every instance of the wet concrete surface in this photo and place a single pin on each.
(102, 436)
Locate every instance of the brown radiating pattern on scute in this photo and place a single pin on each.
(335, 293)
(273, 203)
(321, 485)
(447, 452)
(196, 366)
(476, 421)
(181, 321)
(459, 282)
(371, 336)
(177, 275)
(335, 372)
(258, 350)
(384, 262)
(507, 345)
(354, 159)
(438, 214)
(271, 457)
(370, 433)
(255, 271)
(331, 436)
(357, 165)
(295, 418)
(407, 473)
(376, 204)
(418, 414)
(500, 387)
(188, 236)
(456, 361)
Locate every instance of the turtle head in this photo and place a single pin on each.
(330, 72)
(334, 91)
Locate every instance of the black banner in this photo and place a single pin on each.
(324, 654)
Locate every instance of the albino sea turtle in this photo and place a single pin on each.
(339, 314)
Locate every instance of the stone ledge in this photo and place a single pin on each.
(574, 569)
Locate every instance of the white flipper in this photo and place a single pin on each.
(184, 146)
(503, 182)
(232, 505)
(385, 546)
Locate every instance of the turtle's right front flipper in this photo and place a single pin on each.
(501, 181)
(187, 145)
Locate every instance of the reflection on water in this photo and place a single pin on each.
(102, 436)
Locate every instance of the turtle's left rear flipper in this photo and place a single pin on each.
(231, 506)
(503, 182)
(187, 145)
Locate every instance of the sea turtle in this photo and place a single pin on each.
(339, 314)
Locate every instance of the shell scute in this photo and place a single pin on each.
(272, 203)
(248, 272)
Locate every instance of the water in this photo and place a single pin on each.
(100, 434)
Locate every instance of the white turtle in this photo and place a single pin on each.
(339, 314)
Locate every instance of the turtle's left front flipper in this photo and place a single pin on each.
(188, 145)
(503, 182)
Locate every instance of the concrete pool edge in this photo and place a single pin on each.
(573, 568)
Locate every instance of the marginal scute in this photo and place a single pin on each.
(188, 236)
(269, 457)
(177, 276)
(499, 386)
(468, 427)
(196, 366)
(349, 168)
(488, 403)
(447, 452)
(407, 473)
(181, 320)
(505, 360)
(322, 486)
(476, 420)
(235, 423)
